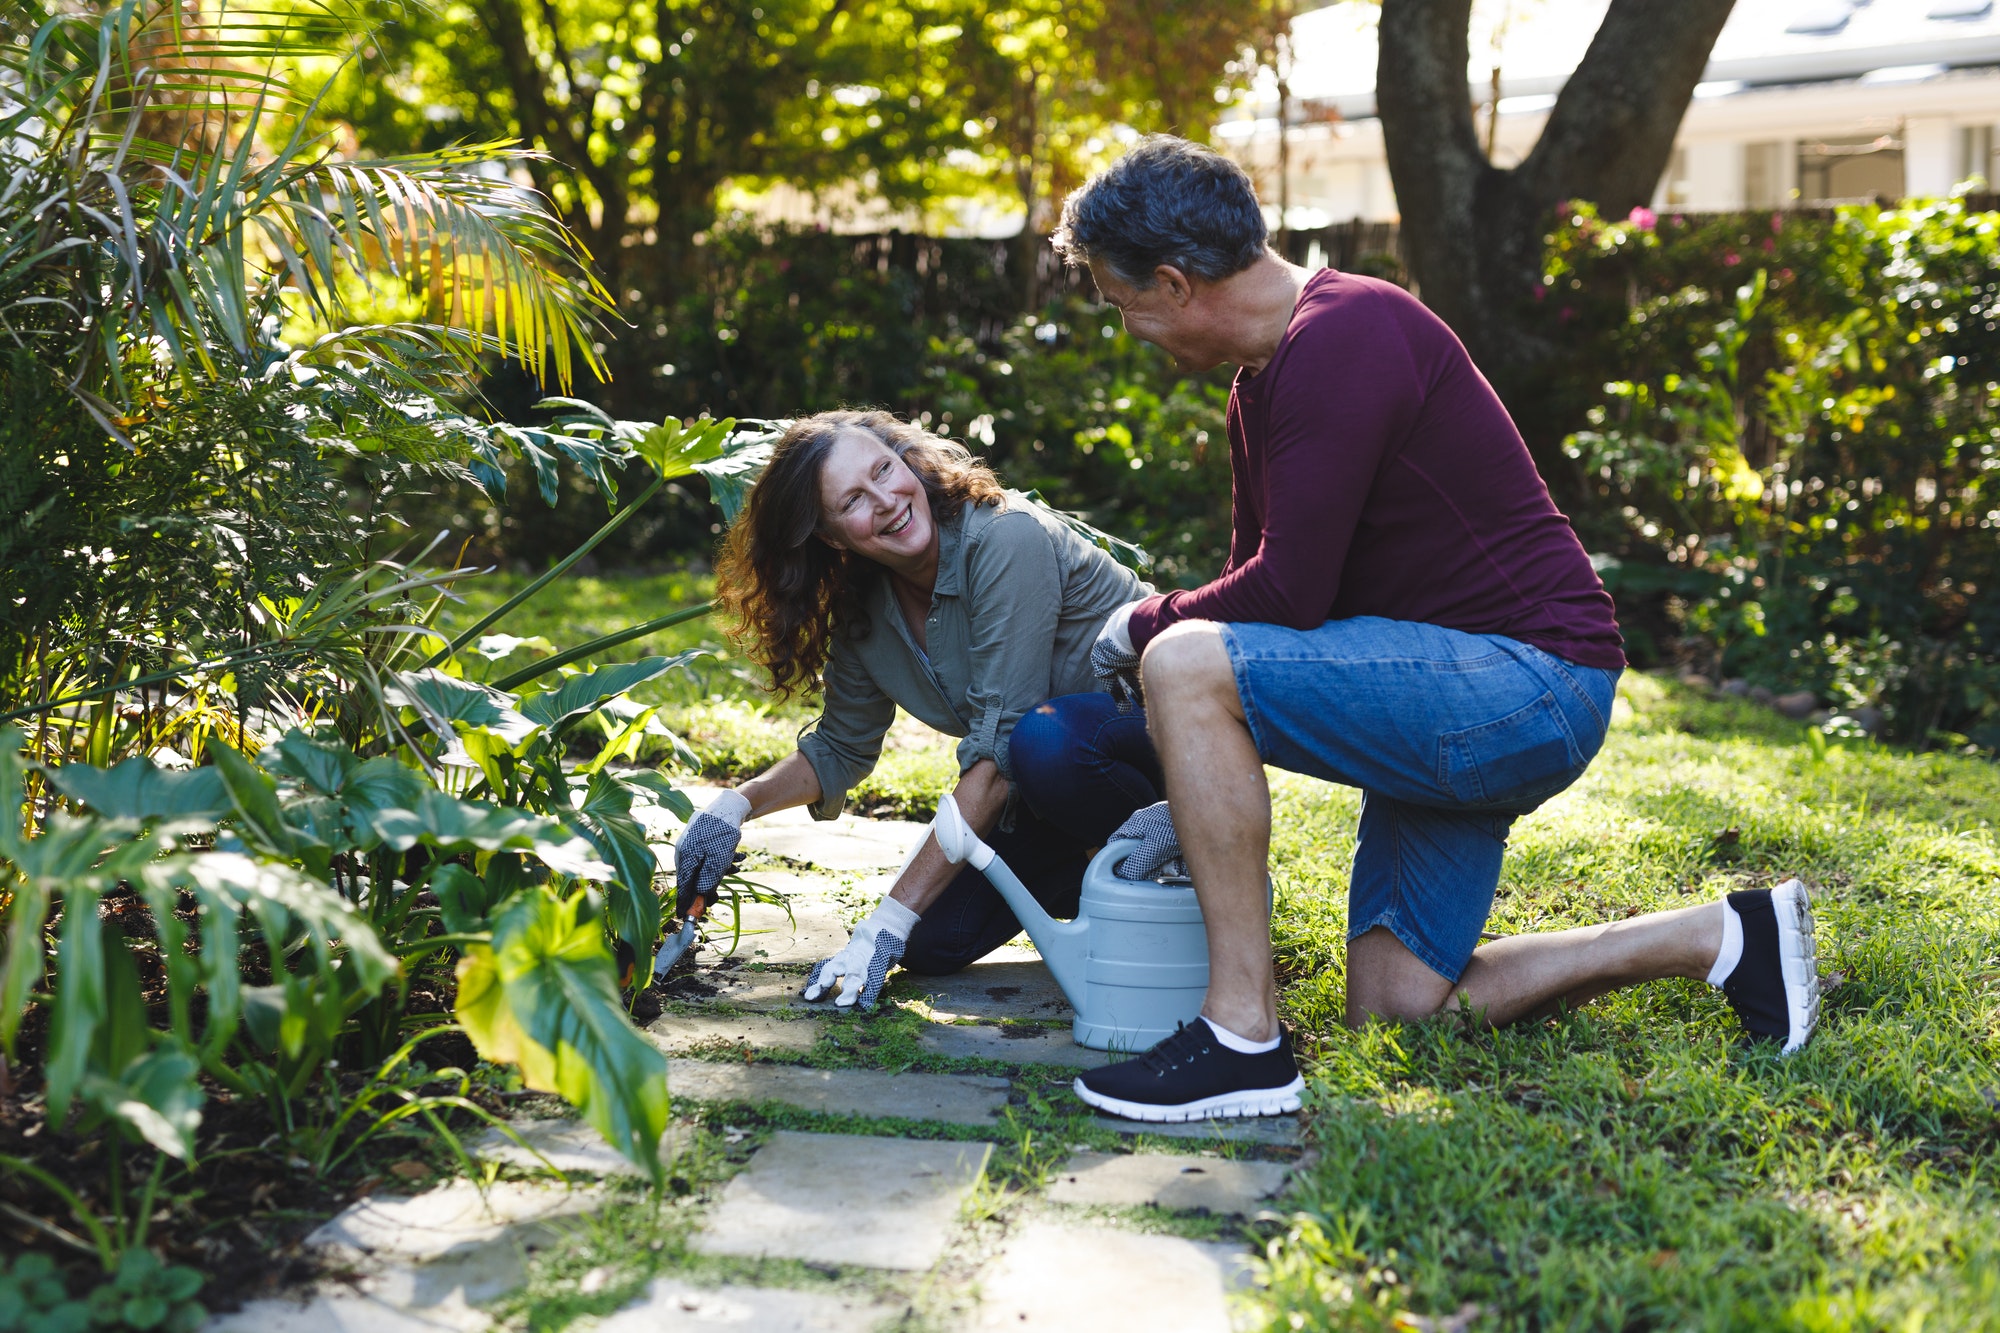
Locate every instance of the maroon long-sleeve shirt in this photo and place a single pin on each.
(1375, 473)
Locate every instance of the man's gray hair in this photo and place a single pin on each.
(1169, 202)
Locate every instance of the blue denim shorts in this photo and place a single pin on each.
(1450, 737)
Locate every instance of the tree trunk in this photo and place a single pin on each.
(1472, 232)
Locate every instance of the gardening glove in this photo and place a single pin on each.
(1158, 855)
(706, 851)
(1114, 661)
(862, 967)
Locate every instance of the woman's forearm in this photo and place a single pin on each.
(788, 783)
(981, 795)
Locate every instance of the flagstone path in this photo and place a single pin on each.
(893, 1217)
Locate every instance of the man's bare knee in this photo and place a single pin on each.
(1385, 980)
(1188, 656)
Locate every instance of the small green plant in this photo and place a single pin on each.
(142, 1293)
(34, 1298)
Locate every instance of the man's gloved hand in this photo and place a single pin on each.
(1113, 659)
(706, 851)
(1158, 854)
(862, 967)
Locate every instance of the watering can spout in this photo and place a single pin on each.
(1063, 944)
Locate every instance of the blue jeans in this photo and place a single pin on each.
(1450, 737)
(1080, 769)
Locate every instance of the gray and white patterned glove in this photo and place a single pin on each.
(860, 969)
(1114, 661)
(706, 851)
(1158, 854)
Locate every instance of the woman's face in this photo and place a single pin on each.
(870, 503)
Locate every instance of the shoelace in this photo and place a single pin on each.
(1168, 1053)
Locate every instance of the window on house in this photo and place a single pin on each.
(1975, 153)
(1850, 170)
(1764, 184)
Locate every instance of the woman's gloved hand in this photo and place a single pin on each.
(706, 851)
(1158, 854)
(1113, 659)
(862, 967)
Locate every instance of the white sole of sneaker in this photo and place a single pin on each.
(1226, 1106)
(1798, 957)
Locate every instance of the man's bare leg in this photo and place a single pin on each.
(1222, 811)
(1524, 976)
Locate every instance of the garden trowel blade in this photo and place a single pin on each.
(670, 952)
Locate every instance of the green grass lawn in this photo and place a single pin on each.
(1633, 1165)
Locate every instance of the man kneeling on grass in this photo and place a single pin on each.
(1405, 611)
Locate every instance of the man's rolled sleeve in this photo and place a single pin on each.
(1014, 587)
(844, 743)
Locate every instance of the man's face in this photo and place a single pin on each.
(1163, 314)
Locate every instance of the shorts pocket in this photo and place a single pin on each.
(1527, 754)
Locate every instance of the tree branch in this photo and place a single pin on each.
(1607, 140)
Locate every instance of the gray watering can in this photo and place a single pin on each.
(1134, 962)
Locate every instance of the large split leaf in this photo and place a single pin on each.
(445, 703)
(436, 819)
(140, 789)
(674, 450)
(544, 996)
(580, 696)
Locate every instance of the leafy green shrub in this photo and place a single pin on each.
(1791, 458)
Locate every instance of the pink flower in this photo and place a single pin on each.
(1642, 217)
(1731, 260)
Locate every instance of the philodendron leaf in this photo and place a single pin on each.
(318, 765)
(140, 789)
(731, 477)
(465, 900)
(157, 1096)
(580, 696)
(544, 996)
(605, 818)
(451, 825)
(281, 897)
(445, 702)
(674, 450)
(663, 791)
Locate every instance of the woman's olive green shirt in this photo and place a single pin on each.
(1019, 600)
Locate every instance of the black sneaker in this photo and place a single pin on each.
(1192, 1076)
(1775, 987)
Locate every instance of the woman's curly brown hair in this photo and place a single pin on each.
(782, 592)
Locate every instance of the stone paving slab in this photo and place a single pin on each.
(846, 1199)
(670, 1306)
(814, 928)
(1010, 983)
(570, 1146)
(845, 844)
(1015, 1044)
(957, 1099)
(1056, 1279)
(449, 1219)
(677, 1034)
(1131, 1180)
(1273, 1131)
(849, 843)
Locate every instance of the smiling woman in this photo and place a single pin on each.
(882, 566)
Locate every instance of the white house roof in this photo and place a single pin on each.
(1765, 43)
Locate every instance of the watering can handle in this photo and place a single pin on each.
(956, 839)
